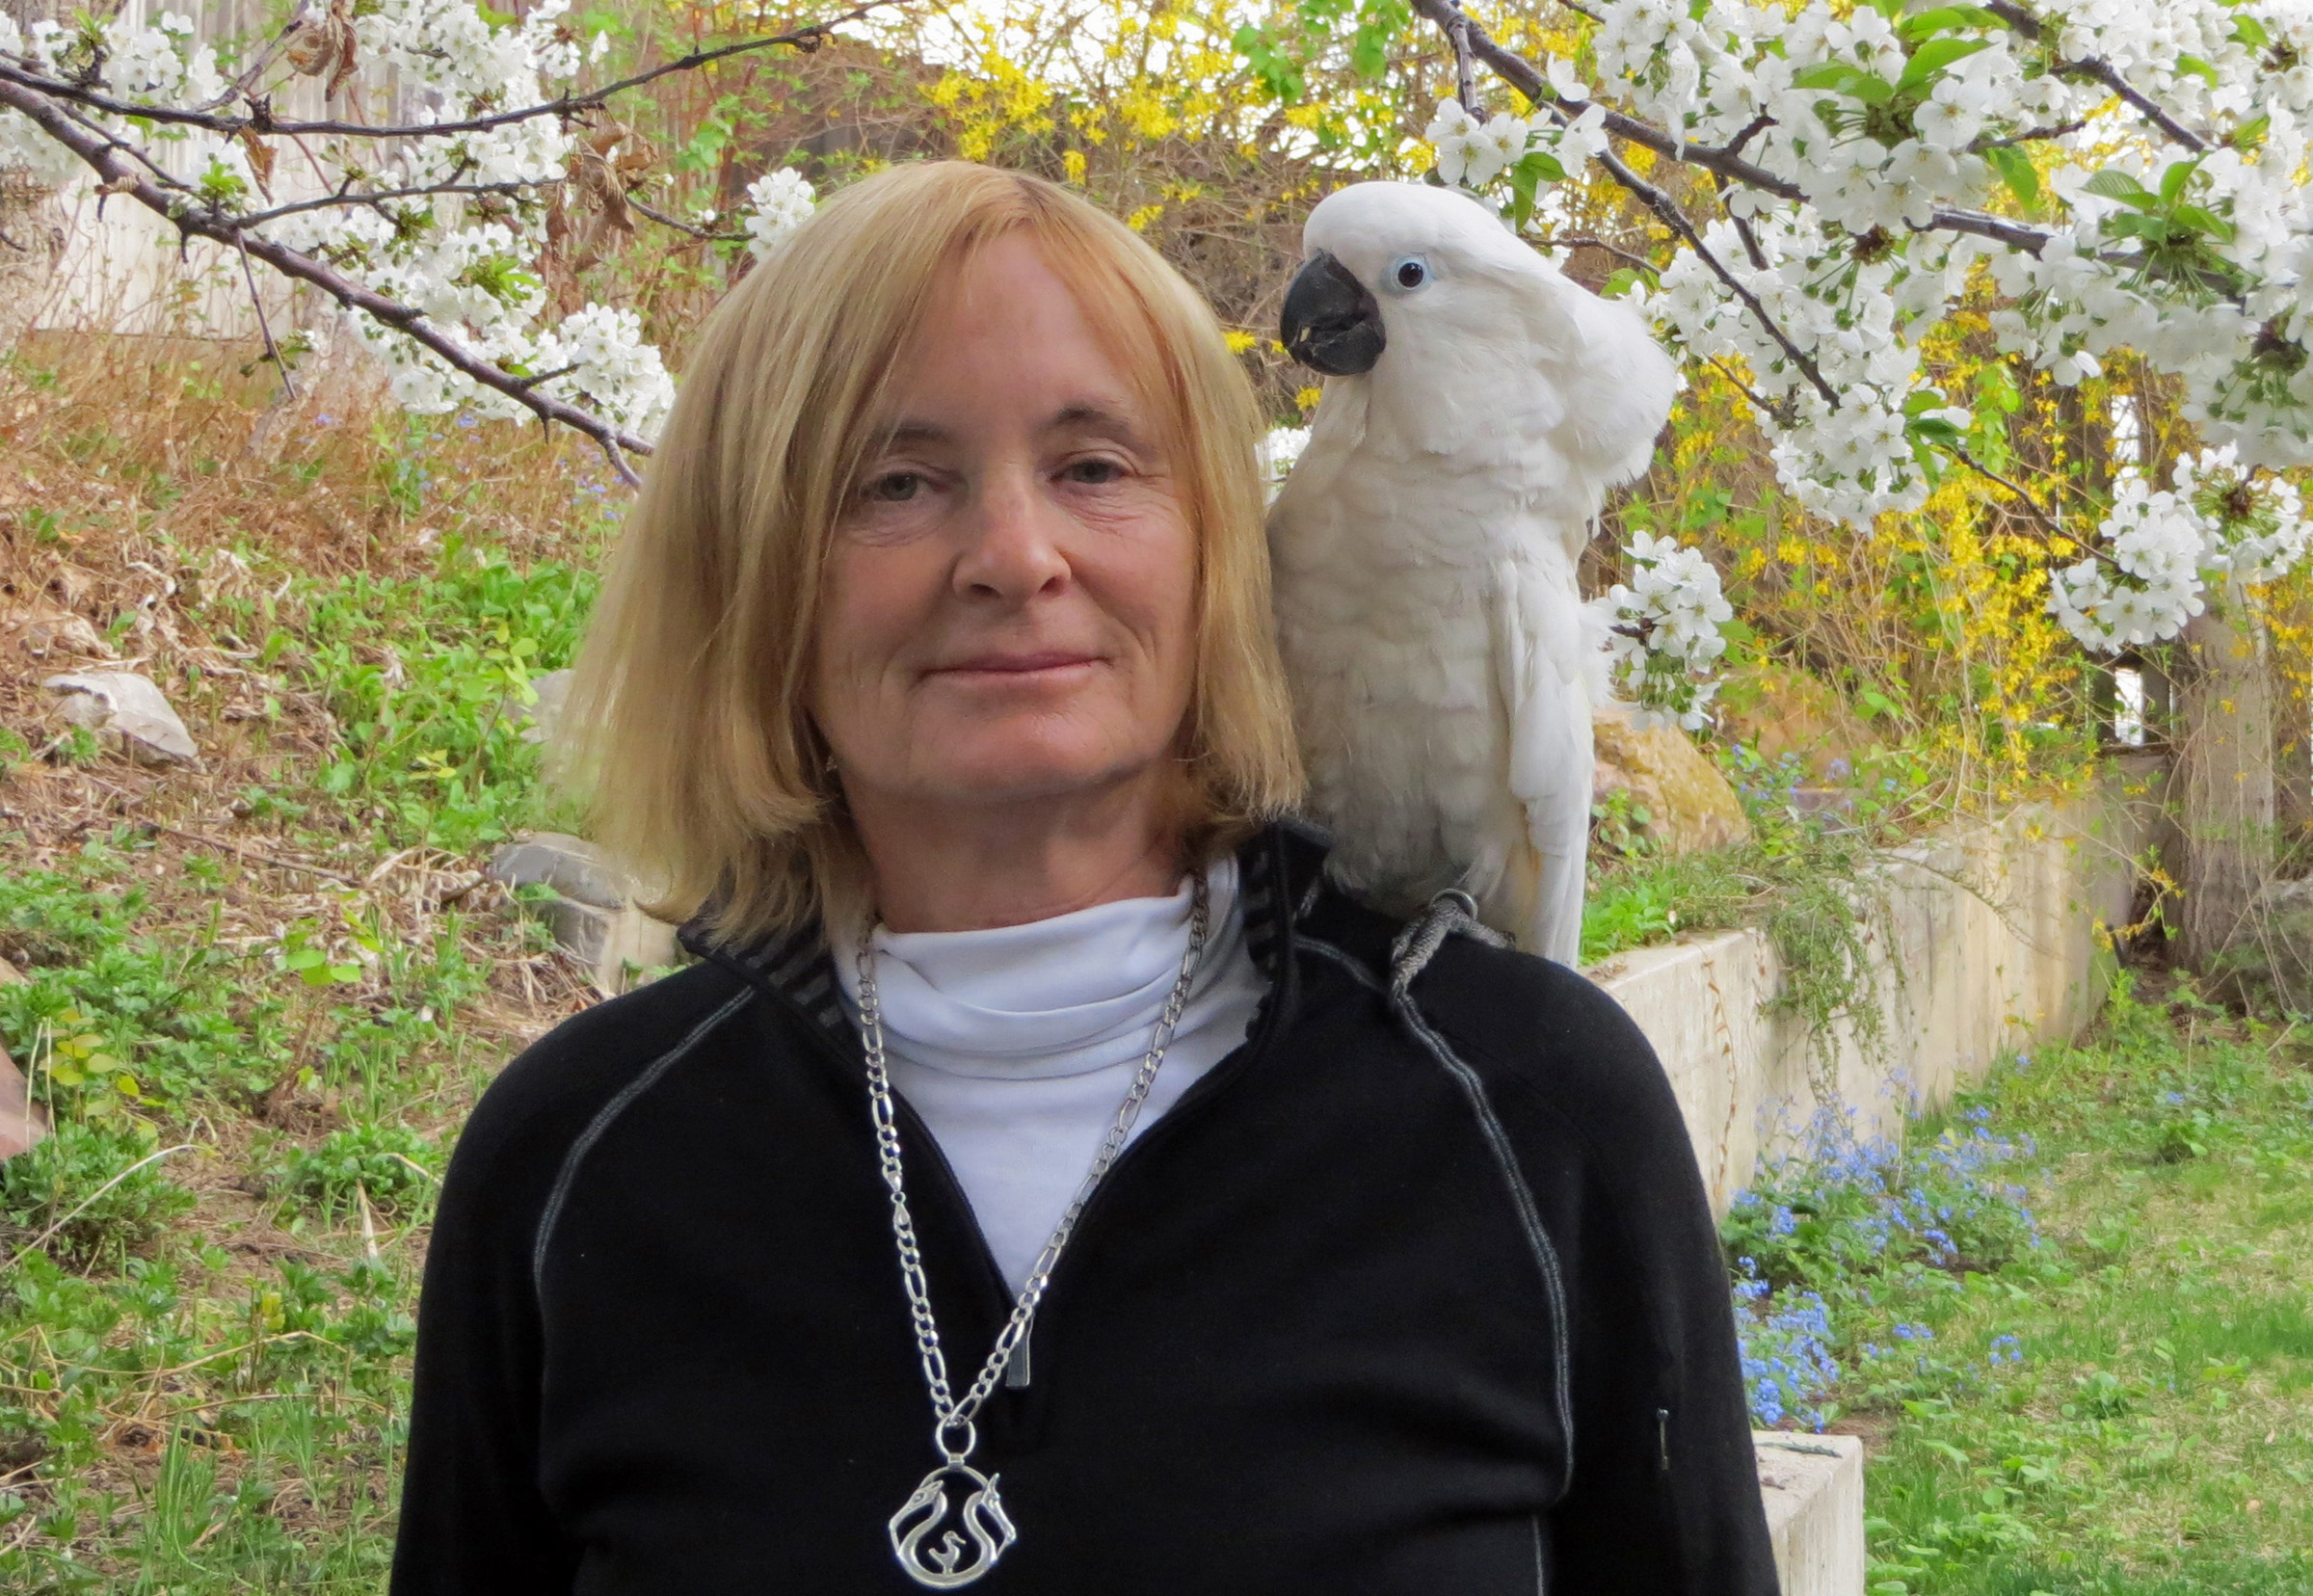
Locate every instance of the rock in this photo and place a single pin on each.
(129, 706)
(1812, 1485)
(1780, 710)
(591, 913)
(538, 718)
(9, 975)
(21, 1122)
(1688, 804)
(570, 865)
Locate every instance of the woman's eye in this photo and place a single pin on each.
(1094, 472)
(1410, 273)
(894, 487)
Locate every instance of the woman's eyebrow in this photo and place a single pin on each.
(907, 434)
(1086, 416)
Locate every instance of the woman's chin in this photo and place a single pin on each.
(1004, 774)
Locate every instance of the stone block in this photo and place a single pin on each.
(1812, 1485)
(571, 865)
(590, 914)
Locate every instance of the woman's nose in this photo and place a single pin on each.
(1012, 549)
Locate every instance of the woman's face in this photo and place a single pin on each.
(1009, 599)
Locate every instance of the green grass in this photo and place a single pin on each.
(2149, 1428)
(208, 1274)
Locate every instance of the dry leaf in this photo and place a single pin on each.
(260, 159)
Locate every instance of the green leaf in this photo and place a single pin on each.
(1929, 61)
(2250, 134)
(2174, 179)
(2120, 186)
(2197, 67)
(1851, 81)
(1947, 18)
(2016, 170)
(2251, 32)
(2203, 221)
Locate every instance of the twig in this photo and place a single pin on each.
(2100, 70)
(2023, 495)
(1585, 242)
(256, 302)
(1465, 71)
(680, 226)
(29, 1247)
(375, 198)
(194, 220)
(262, 120)
(251, 854)
(1522, 75)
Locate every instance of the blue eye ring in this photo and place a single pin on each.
(1411, 273)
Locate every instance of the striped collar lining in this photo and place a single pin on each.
(1280, 873)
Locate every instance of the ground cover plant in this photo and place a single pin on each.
(258, 997)
(2070, 1316)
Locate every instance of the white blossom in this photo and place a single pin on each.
(777, 203)
(1280, 451)
(1664, 631)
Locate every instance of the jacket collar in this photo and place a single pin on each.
(1281, 870)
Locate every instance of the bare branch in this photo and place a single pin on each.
(375, 198)
(2031, 135)
(707, 234)
(256, 302)
(1521, 74)
(1585, 242)
(192, 219)
(261, 119)
(2023, 495)
(1465, 71)
(2099, 70)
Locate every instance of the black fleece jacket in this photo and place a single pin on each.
(1417, 1297)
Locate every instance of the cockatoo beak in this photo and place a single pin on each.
(1331, 323)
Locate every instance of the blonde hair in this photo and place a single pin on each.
(687, 726)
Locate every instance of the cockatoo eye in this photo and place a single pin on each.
(1413, 272)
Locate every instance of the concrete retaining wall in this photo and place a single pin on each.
(1988, 944)
(1993, 934)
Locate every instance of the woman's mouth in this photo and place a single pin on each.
(1046, 664)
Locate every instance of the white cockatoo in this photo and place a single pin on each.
(1476, 409)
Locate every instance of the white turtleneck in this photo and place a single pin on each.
(1017, 1045)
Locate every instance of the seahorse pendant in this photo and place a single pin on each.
(951, 1561)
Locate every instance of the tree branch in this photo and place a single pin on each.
(103, 155)
(260, 119)
(2099, 70)
(1520, 74)
(1585, 242)
(706, 234)
(375, 199)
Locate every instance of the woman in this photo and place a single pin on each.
(1044, 1178)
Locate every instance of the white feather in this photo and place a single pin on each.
(1426, 550)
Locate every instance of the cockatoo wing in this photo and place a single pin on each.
(1542, 678)
(1611, 388)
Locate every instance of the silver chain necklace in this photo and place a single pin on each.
(952, 1559)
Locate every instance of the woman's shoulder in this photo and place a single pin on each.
(542, 1102)
(1547, 1030)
